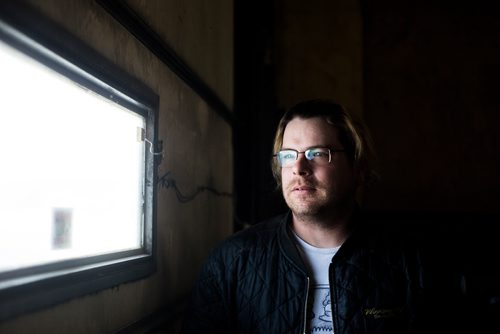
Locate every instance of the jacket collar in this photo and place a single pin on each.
(288, 245)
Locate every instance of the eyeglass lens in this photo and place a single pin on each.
(319, 155)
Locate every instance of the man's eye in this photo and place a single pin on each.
(317, 153)
(288, 156)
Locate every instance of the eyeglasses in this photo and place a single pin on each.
(320, 156)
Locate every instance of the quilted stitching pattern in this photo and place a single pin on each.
(374, 298)
(250, 286)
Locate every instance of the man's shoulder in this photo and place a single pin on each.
(255, 240)
(253, 237)
(263, 229)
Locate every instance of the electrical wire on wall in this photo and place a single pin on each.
(167, 182)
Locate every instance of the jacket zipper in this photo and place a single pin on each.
(305, 307)
(333, 303)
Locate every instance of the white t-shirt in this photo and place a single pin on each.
(318, 261)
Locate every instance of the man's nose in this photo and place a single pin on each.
(301, 166)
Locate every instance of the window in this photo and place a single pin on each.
(78, 169)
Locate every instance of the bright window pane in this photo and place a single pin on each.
(71, 168)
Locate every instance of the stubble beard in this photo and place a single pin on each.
(308, 208)
(318, 208)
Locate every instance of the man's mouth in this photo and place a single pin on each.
(303, 188)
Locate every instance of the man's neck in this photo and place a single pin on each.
(323, 232)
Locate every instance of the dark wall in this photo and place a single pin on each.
(432, 103)
(256, 112)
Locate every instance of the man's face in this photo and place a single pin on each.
(311, 190)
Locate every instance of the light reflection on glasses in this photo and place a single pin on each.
(320, 156)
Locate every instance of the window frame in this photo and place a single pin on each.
(30, 289)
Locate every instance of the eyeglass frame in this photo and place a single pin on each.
(331, 150)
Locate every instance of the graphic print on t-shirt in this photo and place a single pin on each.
(321, 317)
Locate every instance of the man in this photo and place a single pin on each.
(319, 268)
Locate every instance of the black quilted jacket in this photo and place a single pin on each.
(256, 282)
